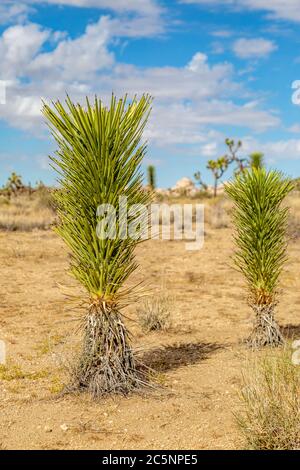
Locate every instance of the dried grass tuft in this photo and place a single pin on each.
(270, 403)
(154, 314)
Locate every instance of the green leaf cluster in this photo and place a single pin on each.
(261, 224)
(98, 159)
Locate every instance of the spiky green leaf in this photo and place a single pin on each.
(98, 159)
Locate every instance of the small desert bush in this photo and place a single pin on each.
(44, 198)
(270, 399)
(293, 202)
(4, 200)
(154, 314)
(26, 212)
(294, 228)
(297, 184)
(218, 212)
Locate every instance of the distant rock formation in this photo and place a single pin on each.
(184, 184)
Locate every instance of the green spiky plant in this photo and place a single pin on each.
(261, 224)
(151, 177)
(98, 160)
(256, 160)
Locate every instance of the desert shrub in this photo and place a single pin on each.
(218, 213)
(294, 228)
(293, 201)
(200, 195)
(44, 198)
(269, 418)
(297, 184)
(24, 212)
(154, 314)
(4, 200)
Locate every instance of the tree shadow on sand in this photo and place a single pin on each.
(291, 331)
(179, 355)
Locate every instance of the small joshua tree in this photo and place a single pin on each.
(256, 160)
(99, 158)
(151, 177)
(198, 178)
(218, 168)
(261, 225)
(233, 148)
(14, 183)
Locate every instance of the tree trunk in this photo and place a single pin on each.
(266, 332)
(215, 188)
(106, 364)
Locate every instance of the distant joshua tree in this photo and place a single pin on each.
(198, 178)
(14, 183)
(261, 225)
(151, 177)
(218, 168)
(256, 160)
(234, 147)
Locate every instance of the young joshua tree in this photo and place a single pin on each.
(98, 160)
(261, 224)
(151, 177)
(256, 160)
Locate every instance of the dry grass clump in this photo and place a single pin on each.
(14, 372)
(218, 212)
(26, 212)
(154, 314)
(293, 202)
(294, 228)
(270, 399)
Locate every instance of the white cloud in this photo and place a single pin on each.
(209, 150)
(295, 129)
(284, 149)
(253, 48)
(198, 61)
(137, 26)
(197, 81)
(188, 99)
(217, 47)
(144, 7)
(222, 33)
(182, 124)
(76, 59)
(274, 151)
(133, 18)
(279, 9)
(15, 11)
(18, 46)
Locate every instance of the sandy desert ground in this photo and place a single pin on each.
(198, 361)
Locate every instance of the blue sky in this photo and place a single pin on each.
(216, 69)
